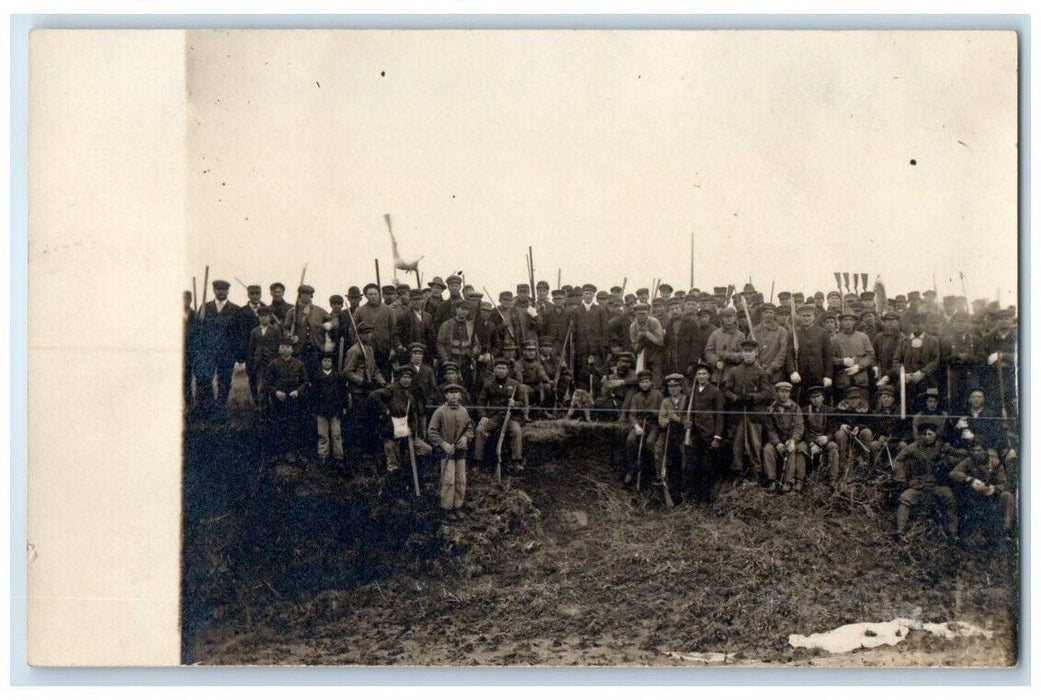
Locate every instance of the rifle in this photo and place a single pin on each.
(625, 281)
(296, 306)
(412, 448)
(339, 354)
(364, 353)
(1001, 388)
(690, 404)
(380, 288)
(531, 272)
(505, 323)
(795, 338)
(560, 365)
(664, 474)
(771, 291)
(502, 435)
(748, 316)
(205, 284)
(195, 297)
(838, 284)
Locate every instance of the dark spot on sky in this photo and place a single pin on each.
(453, 196)
(914, 162)
(383, 73)
(317, 83)
(222, 184)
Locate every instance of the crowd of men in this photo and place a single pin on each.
(915, 390)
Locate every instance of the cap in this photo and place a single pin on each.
(930, 392)
(644, 374)
(403, 370)
(454, 279)
(641, 306)
(500, 361)
(852, 391)
(547, 339)
(402, 288)
(450, 365)
(807, 307)
(415, 294)
(589, 288)
(556, 293)
(530, 344)
(700, 364)
(728, 311)
(253, 288)
(542, 284)
(815, 389)
(886, 389)
(220, 284)
(507, 294)
(928, 423)
(370, 285)
(305, 289)
(783, 385)
(849, 313)
(412, 347)
(353, 293)
(277, 285)
(451, 386)
(890, 316)
(674, 378)
(643, 291)
(437, 282)
(768, 307)
(616, 289)
(389, 289)
(748, 344)
(665, 288)
(335, 299)
(626, 356)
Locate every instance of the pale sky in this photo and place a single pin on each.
(787, 154)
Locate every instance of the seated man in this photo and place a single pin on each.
(498, 394)
(889, 432)
(640, 413)
(784, 433)
(854, 434)
(819, 426)
(985, 493)
(534, 382)
(919, 472)
(616, 386)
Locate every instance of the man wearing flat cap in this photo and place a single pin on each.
(458, 341)
(400, 418)
(220, 347)
(999, 378)
(640, 413)
(446, 309)
(415, 325)
(279, 306)
(647, 339)
(965, 360)
(306, 325)
(249, 318)
(784, 441)
(707, 433)
(589, 333)
(921, 474)
(852, 352)
(749, 394)
(919, 353)
(499, 393)
(773, 343)
(381, 318)
(886, 343)
(723, 347)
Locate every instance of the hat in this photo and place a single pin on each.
(403, 370)
(886, 389)
(412, 347)
(914, 296)
(509, 346)
(900, 297)
(253, 288)
(657, 302)
(852, 391)
(558, 293)
(643, 291)
(354, 293)
(277, 285)
(626, 356)
(890, 316)
(644, 374)
(849, 313)
(719, 291)
(542, 284)
(867, 296)
(589, 288)
(500, 361)
(453, 279)
(665, 288)
(673, 301)
(335, 299)
(547, 339)
(783, 385)
(415, 293)
(705, 310)
(781, 296)
(451, 386)
(370, 285)
(929, 423)
(468, 304)
(507, 294)
(437, 282)
(450, 365)
(602, 294)
(701, 364)
(815, 389)
(834, 293)
(799, 297)
(748, 344)
(829, 314)
(630, 298)
(220, 284)
(616, 289)
(389, 289)
(366, 327)
(402, 288)
(931, 392)
(641, 306)
(674, 378)
(807, 307)
(305, 289)
(614, 299)
(768, 307)
(530, 344)
(523, 287)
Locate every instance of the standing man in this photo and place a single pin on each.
(852, 354)
(706, 436)
(279, 306)
(723, 347)
(747, 389)
(249, 319)
(415, 325)
(640, 414)
(920, 473)
(220, 348)
(919, 353)
(773, 343)
(285, 383)
(262, 349)
(589, 334)
(647, 338)
(305, 326)
(458, 342)
(381, 318)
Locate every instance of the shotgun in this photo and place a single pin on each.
(502, 435)
(205, 284)
(639, 453)
(412, 448)
(664, 473)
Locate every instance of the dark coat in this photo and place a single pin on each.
(815, 358)
(708, 412)
(220, 339)
(589, 331)
(330, 392)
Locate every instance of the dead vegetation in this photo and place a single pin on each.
(563, 566)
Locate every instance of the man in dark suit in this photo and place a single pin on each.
(305, 327)
(706, 435)
(220, 347)
(812, 364)
(415, 325)
(249, 318)
(589, 333)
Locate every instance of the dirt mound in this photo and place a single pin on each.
(561, 566)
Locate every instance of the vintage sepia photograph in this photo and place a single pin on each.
(599, 348)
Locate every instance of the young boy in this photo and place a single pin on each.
(397, 401)
(784, 431)
(451, 431)
(330, 389)
(640, 414)
(262, 348)
(819, 427)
